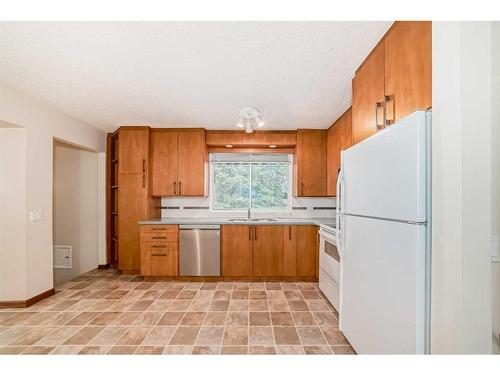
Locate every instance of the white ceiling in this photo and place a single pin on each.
(187, 74)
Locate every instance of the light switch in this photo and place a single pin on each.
(36, 215)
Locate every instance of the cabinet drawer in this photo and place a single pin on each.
(159, 263)
(159, 237)
(159, 228)
(159, 246)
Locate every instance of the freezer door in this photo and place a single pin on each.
(382, 302)
(385, 175)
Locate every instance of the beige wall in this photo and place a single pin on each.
(41, 123)
(461, 191)
(12, 197)
(75, 214)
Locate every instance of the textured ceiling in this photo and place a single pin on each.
(186, 74)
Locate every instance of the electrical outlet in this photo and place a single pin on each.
(36, 216)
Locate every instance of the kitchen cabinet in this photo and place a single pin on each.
(267, 250)
(178, 162)
(394, 80)
(339, 138)
(408, 68)
(236, 250)
(290, 250)
(159, 250)
(128, 194)
(307, 250)
(310, 163)
(368, 95)
(133, 149)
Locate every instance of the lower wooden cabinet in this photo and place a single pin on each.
(160, 263)
(159, 250)
(236, 250)
(290, 250)
(267, 250)
(307, 250)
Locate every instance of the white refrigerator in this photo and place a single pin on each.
(383, 208)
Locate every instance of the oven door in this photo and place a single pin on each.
(329, 258)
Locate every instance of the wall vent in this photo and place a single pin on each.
(63, 256)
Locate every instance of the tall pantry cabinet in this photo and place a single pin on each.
(130, 199)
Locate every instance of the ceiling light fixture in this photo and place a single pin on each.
(249, 118)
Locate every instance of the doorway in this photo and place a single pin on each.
(75, 211)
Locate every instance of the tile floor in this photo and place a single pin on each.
(104, 312)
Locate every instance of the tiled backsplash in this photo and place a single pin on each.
(200, 208)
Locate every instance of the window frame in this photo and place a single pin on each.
(211, 191)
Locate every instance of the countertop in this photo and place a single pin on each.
(224, 221)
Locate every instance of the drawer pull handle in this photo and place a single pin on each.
(158, 228)
(158, 246)
(159, 255)
(159, 238)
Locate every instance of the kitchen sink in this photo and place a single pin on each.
(242, 220)
(264, 219)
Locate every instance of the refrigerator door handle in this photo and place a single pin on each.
(339, 203)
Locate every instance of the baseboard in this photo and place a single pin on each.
(28, 302)
(103, 266)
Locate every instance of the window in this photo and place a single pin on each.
(242, 181)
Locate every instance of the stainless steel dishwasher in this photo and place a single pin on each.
(199, 250)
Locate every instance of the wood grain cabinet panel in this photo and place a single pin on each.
(131, 209)
(178, 164)
(339, 138)
(408, 68)
(367, 91)
(307, 250)
(191, 163)
(310, 154)
(160, 263)
(236, 250)
(290, 250)
(133, 150)
(164, 163)
(267, 250)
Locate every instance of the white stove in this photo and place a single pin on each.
(330, 258)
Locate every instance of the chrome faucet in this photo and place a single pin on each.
(248, 214)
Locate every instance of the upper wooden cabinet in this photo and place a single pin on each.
(368, 93)
(339, 138)
(179, 161)
(395, 79)
(133, 149)
(310, 163)
(408, 68)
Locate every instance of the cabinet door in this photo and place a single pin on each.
(367, 91)
(311, 163)
(236, 251)
(191, 163)
(160, 263)
(268, 250)
(132, 150)
(290, 250)
(164, 163)
(131, 208)
(307, 250)
(408, 68)
(339, 138)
